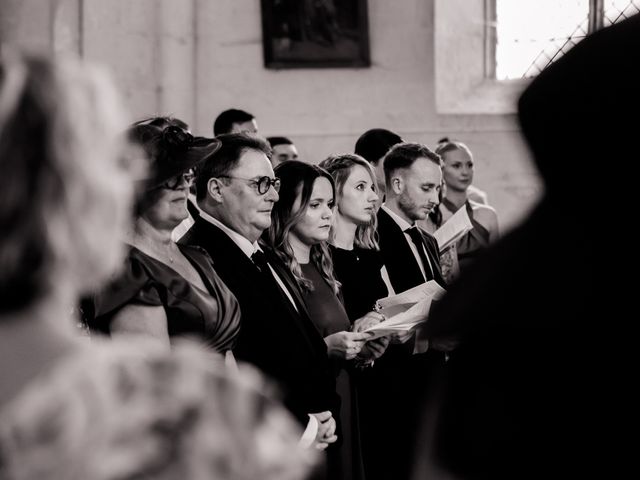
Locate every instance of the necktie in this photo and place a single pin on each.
(418, 241)
(260, 260)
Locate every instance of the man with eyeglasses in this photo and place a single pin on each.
(236, 191)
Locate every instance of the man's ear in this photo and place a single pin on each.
(214, 189)
(397, 184)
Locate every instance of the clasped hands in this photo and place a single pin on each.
(326, 433)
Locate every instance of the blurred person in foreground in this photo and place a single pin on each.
(75, 410)
(536, 383)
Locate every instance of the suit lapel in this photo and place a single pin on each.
(287, 278)
(239, 271)
(401, 264)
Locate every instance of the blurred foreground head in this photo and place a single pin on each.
(130, 409)
(65, 190)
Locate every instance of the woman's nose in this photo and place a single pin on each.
(328, 212)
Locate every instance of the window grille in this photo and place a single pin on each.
(524, 36)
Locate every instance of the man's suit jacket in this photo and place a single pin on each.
(392, 385)
(279, 340)
(404, 271)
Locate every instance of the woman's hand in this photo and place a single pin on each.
(370, 319)
(374, 349)
(345, 345)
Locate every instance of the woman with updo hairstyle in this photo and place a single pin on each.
(77, 410)
(300, 225)
(168, 290)
(457, 175)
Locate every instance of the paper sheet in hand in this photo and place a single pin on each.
(453, 229)
(407, 309)
(403, 321)
(394, 304)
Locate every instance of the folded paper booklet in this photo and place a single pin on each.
(453, 229)
(390, 306)
(406, 310)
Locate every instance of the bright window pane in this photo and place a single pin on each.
(616, 10)
(531, 33)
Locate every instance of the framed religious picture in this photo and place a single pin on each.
(315, 33)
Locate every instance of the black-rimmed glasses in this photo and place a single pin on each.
(262, 183)
(176, 182)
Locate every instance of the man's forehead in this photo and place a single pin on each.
(250, 126)
(253, 163)
(285, 148)
(425, 166)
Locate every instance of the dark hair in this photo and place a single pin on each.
(163, 122)
(402, 156)
(375, 143)
(170, 151)
(297, 179)
(232, 146)
(273, 141)
(224, 122)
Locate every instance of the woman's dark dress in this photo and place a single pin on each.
(358, 271)
(329, 316)
(211, 316)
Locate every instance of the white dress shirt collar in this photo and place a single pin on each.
(402, 223)
(243, 243)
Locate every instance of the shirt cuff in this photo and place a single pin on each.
(310, 432)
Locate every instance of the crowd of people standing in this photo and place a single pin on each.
(241, 348)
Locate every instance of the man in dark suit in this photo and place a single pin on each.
(536, 386)
(413, 176)
(236, 190)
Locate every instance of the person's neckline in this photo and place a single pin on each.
(353, 247)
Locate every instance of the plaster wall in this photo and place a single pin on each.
(195, 58)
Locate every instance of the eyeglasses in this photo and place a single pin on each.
(176, 182)
(262, 184)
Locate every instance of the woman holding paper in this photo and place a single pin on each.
(359, 267)
(457, 174)
(301, 222)
(354, 248)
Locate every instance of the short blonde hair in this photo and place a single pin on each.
(64, 192)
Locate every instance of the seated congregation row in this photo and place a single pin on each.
(282, 268)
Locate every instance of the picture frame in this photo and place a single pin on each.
(315, 34)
